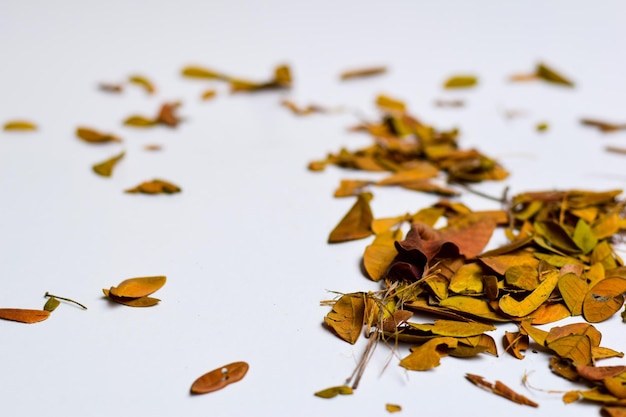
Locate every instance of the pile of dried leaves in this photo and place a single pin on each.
(559, 262)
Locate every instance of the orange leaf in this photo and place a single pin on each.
(138, 287)
(219, 378)
(23, 315)
(604, 299)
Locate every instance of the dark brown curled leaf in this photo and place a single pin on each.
(219, 378)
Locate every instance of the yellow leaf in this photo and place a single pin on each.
(538, 335)
(423, 171)
(428, 355)
(93, 136)
(347, 316)
(606, 226)
(473, 306)
(393, 408)
(23, 125)
(467, 280)
(522, 276)
(140, 121)
(604, 299)
(155, 186)
(573, 289)
(459, 329)
(461, 81)
(362, 72)
(379, 255)
(584, 237)
(105, 168)
(143, 82)
(349, 188)
(550, 75)
(334, 391)
(616, 385)
(512, 307)
(199, 72)
(574, 347)
(390, 104)
(356, 224)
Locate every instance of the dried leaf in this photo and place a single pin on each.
(143, 82)
(155, 186)
(208, 94)
(105, 168)
(349, 188)
(19, 125)
(428, 355)
(613, 411)
(449, 103)
(93, 136)
(515, 343)
(393, 408)
(604, 299)
(138, 287)
(220, 378)
(573, 289)
(51, 304)
(548, 74)
(362, 72)
(500, 389)
(167, 114)
(461, 81)
(140, 121)
(347, 316)
(356, 224)
(132, 302)
(199, 72)
(598, 373)
(23, 315)
(603, 126)
(530, 303)
(379, 255)
(334, 391)
(389, 104)
(110, 87)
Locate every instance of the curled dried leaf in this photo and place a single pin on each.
(356, 224)
(220, 378)
(347, 316)
(143, 82)
(500, 389)
(131, 302)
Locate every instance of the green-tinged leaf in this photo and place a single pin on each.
(584, 237)
(51, 304)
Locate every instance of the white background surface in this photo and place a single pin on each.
(244, 245)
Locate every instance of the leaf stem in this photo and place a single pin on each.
(47, 294)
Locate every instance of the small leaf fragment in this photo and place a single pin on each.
(334, 391)
(105, 168)
(461, 81)
(23, 315)
(156, 186)
(143, 82)
(140, 121)
(94, 136)
(362, 72)
(19, 125)
(393, 408)
(51, 304)
(219, 378)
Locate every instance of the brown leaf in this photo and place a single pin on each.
(167, 114)
(23, 315)
(598, 373)
(603, 126)
(515, 343)
(220, 378)
(356, 224)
